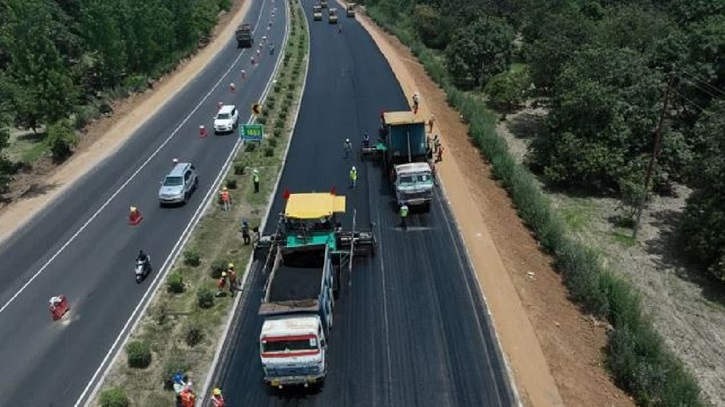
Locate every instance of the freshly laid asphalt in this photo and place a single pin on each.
(411, 327)
(43, 363)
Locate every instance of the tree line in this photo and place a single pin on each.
(608, 72)
(63, 61)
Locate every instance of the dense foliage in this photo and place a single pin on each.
(67, 59)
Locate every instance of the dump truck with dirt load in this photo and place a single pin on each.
(297, 306)
(243, 35)
(403, 147)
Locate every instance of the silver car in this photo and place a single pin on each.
(178, 186)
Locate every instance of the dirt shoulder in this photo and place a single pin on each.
(46, 182)
(555, 352)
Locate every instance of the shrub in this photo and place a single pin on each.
(61, 139)
(250, 147)
(279, 124)
(231, 183)
(239, 168)
(175, 283)
(277, 133)
(193, 334)
(205, 298)
(507, 90)
(114, 397)
(261, 119)
(139, 354)
(217, 267)
(192, 258)
(269, 152)
(290, 95)
(278, 87)
(272, 142)
(269, 105)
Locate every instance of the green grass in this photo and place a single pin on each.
(216, 238)
(26, 147)
(577, 214)
(623, 237)
(518, 67)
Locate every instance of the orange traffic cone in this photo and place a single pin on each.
(58, 307)
(135, 217)
(202, 132)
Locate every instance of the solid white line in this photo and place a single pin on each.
(123, 186)
(173, 255)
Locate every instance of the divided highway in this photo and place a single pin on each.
(83, 247)
(411, 327)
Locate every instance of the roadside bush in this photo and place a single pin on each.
(250, 147)
(231, 183)
(507, 90)
(272, 142)
(217, 267)
(175, 283)
(192, 258)
(278, 87)
(239, 167)
(279, 124)
(277, 133)
(114, 397)
(269, 152)
(193, 334)
(261, 119)
(139, 354)
(205, 298)
(290, 95)
(61, 139)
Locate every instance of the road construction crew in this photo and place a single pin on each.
(366, 140)
(255, 180)
(347, 147)
(221, 283)
(188, 398)
(174, 162)
(403, 216)
(217, 399)
(232, 278)
(245, 232)
(353, 177)
(225, 198)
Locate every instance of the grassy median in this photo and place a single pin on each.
(184, 323)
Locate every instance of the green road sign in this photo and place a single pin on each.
(251, 132)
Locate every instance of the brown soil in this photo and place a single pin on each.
(554, 350)
(32, 191)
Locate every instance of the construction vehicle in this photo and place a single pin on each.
(351, 10)
(306, 255)
(317, 12)
(323, 3)
(243, 35)
(407, 158)
(332, 16)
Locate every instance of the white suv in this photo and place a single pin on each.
(226, 119)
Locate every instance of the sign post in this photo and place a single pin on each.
(251, 132)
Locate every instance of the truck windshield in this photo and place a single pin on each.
(414, 178)
(287, 345)
(223, 116)
(173, 181)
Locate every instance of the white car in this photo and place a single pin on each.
(226, 119)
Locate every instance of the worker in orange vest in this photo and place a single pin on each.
(188, 398)
(232, 278)
(221, 283)
(217, 399)
(226, 199)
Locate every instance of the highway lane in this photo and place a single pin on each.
(85, 247)
(412, 328)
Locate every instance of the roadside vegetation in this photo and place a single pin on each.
(63, 64)
(185, 321)
(610, 76)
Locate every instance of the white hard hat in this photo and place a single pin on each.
(353, 168)
(175, 160)
(347, 140)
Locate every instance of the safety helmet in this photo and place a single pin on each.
(231, 265)
(255, 171)
(224, 273)
(347, 140)
(217, 391)
(175, 160)
(224, 189)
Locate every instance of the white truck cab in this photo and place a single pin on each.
(293, 350)
(414, 184)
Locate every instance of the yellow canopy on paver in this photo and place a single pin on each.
(314, 205)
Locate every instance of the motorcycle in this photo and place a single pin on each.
(143, 268)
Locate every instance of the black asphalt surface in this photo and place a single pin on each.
(411, 329)
(43, 363)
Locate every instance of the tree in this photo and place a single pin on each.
(61, 139)
(429, 23)
(480, 51)
(703, 224)
(507, 90)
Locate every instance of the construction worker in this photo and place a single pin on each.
(255, 180)
(225, 198)
(439, 157)
(232, 279)
(217, 399)
(416, 102)
(431, 122)
(221, 284)
(188, 398)
(436, 143)
(403, 216)
(174, 162)
(366, 140)
(347, 147)
(245, 232)
(353, 177)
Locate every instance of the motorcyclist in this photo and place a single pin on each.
(143, 257)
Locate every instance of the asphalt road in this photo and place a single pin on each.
(411, 329)
(83, 247)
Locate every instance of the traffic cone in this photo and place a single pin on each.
(134, 217)
(219, 106)
(202, 132)
(58, 306)
(232, 87)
